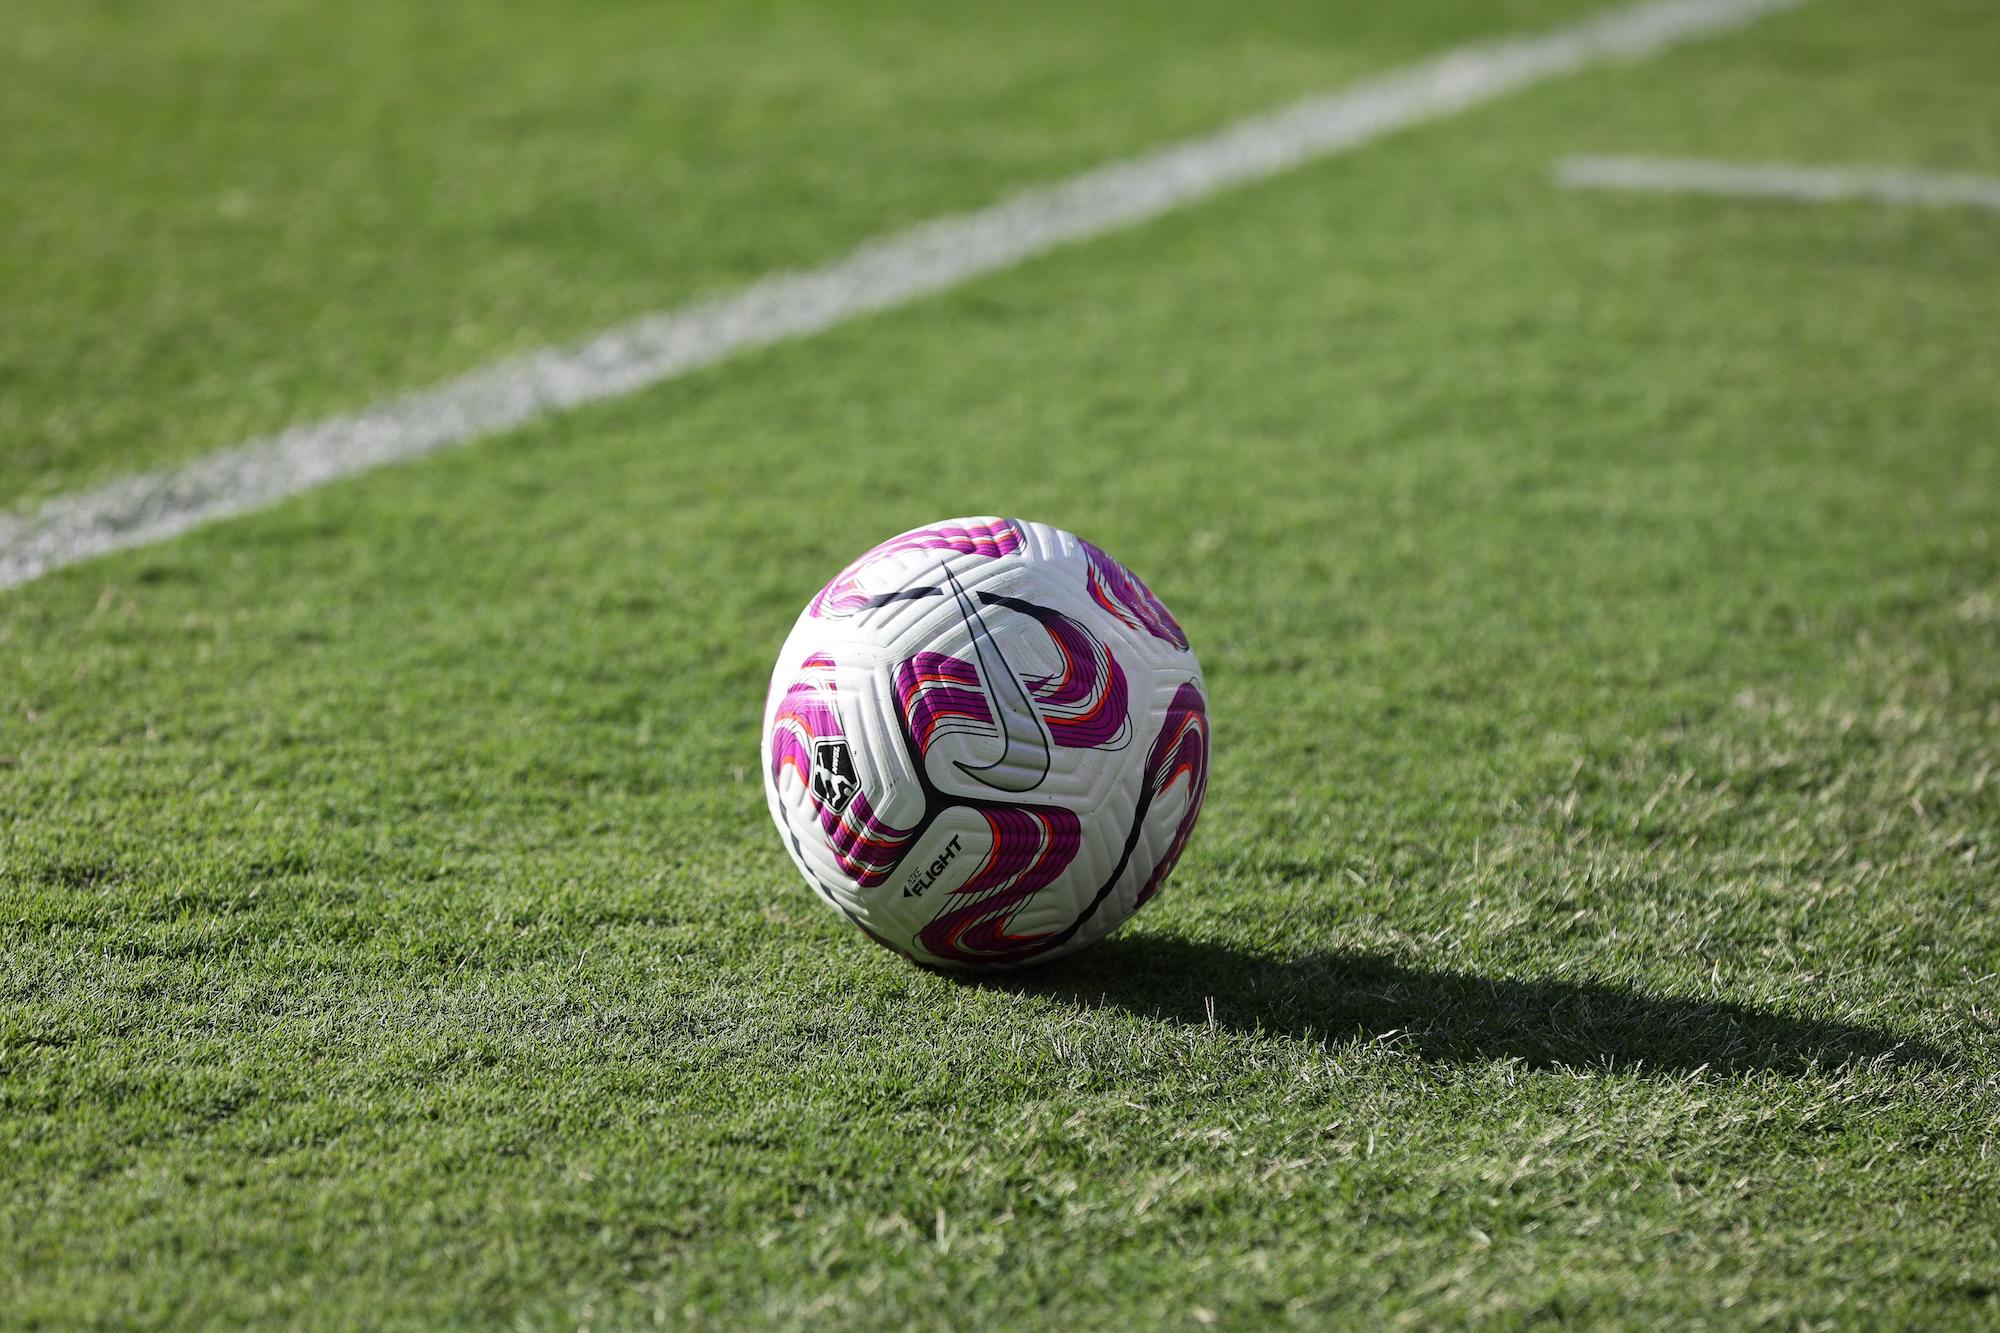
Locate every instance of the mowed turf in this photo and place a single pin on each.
(1593, 917)
(219, 219)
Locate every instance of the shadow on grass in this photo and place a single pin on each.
(1455, 1017)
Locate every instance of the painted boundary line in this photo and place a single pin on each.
(1779, 180)
(925, 259)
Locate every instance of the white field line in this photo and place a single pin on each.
(925, 259)
(1779, 180)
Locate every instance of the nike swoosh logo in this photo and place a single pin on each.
(1023, 764)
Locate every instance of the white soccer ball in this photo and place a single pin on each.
(986, 743)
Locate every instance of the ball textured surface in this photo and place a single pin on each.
(986, 743)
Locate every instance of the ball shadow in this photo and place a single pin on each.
(1455, 1017)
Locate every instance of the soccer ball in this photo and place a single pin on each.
(986, 743)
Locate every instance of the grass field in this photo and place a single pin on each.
(1595, 914)
(227, 217)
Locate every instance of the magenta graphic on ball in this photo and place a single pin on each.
(986, 743)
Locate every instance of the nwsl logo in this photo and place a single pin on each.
(833, 780)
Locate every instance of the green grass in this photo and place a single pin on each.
(1593, 915)
(221, 219)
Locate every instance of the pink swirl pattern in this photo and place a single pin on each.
(940, 695)
(1180, 752)
(866, 848)
(843, 595)
(1032, 846)
(1121, 593)
(805, 713)
(1086, 703)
